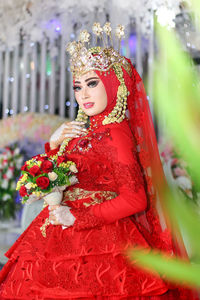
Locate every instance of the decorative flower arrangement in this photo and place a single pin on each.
(10, 164)
(43, 175)
(180, 171)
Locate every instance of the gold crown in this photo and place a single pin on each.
(96, 58)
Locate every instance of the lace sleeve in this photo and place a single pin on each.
(85, 219)
(129, 184)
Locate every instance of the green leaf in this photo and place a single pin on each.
(177, 98)
(175, 270)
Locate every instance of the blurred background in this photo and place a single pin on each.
(36, 93)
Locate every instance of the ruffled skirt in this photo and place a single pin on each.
(87, 264)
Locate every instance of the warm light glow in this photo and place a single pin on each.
(32, 66)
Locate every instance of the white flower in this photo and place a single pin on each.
(96, 28)
(119, 31)
(84, 36)
(166, 16)
(4, 163)
(9, 173)
(52, 176)
(5, 156)
(4, 184)
(73, 180)
(16, 151)
(28, 185)
(9, 154)
(73, 169)
(184, 182)
(19, 162)
(6, 197)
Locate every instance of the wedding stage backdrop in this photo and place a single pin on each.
(34, 67)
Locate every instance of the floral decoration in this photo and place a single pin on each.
(180, 171)
(36, 20)
(10, 164)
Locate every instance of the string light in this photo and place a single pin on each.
(58, 29)
(11, 79)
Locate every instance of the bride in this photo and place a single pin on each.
(113, 205)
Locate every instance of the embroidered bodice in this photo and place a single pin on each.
(106, 161)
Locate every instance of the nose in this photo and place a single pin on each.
(85, 93)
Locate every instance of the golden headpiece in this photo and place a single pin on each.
(101, 59)
(96, 58)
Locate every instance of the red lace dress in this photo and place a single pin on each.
(87, 260)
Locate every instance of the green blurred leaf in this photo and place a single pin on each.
(178, 271)
(178, 97)
(183, 214)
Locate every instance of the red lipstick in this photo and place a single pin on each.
(88, 104)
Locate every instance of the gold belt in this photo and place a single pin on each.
(96, 196)
(77, 194)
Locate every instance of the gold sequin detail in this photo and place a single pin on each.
(44, 226)
(118, 112)
(96, 196)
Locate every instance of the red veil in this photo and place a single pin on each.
(151, 222)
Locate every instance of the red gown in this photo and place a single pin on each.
(87, 260)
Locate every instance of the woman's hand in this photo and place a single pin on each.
(61, 215)
(67, 130)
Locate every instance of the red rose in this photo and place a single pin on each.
(46, 166)
(42, 182)
(61, 159)
(23, 191)
(24, 167)
(41, 158)
(34, 171)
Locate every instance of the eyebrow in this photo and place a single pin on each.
(87, 79)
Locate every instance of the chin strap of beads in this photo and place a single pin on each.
(118, 113)
(81, 116)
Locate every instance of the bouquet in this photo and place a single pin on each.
(10, 164)
(46, 177)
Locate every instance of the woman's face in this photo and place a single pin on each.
(90, 93)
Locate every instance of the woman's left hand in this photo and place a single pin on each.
(61, 215)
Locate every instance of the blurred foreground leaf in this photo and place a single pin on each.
(177, 96)
(178, 271)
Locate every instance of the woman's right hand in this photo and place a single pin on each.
(67, 130)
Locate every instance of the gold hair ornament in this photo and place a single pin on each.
(118, 113)
(101, 59)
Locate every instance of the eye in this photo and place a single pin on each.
(76, 88)
(93, 83)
